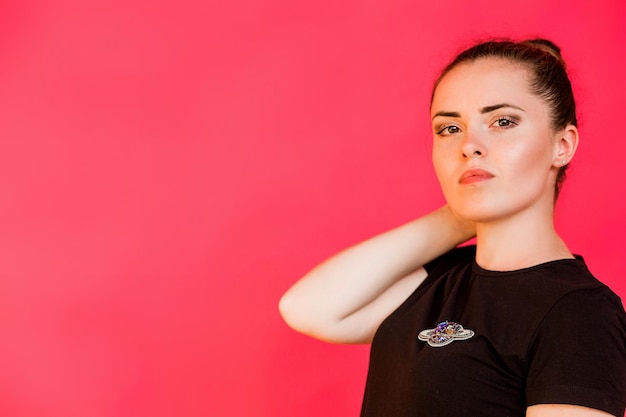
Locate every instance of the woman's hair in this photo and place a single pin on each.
(547, 77)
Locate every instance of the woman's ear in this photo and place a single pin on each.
(565, 144)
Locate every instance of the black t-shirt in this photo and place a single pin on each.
(551, 333)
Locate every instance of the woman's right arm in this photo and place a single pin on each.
(344, 299)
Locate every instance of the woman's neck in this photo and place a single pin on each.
(519, 242)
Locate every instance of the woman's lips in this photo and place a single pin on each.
(475, 175)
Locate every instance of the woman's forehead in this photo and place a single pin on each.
(481, 83)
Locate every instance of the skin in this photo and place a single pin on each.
(346, 297)
(485, 117)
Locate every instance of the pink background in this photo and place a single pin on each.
(169, 168)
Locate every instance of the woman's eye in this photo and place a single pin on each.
(448, 130)
(504, 122)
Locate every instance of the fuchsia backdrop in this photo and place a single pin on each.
(169, 168)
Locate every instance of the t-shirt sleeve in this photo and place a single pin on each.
(578, 354)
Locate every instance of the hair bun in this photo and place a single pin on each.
(546, 46)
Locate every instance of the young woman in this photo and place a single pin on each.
(515, 325)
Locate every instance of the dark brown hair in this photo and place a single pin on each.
(548, 77)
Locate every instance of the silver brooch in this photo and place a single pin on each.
(445, 333)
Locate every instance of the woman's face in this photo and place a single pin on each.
(494, 151)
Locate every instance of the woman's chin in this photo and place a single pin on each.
(477, 213)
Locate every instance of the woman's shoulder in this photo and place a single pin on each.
(568, 276)
(462, 255)
(578, 352)
(545, 283)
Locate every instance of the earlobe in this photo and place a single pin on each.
(565, 146)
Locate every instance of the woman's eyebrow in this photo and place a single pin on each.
(489, 109)
(446, 114)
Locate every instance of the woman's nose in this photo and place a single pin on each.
(472, 146)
